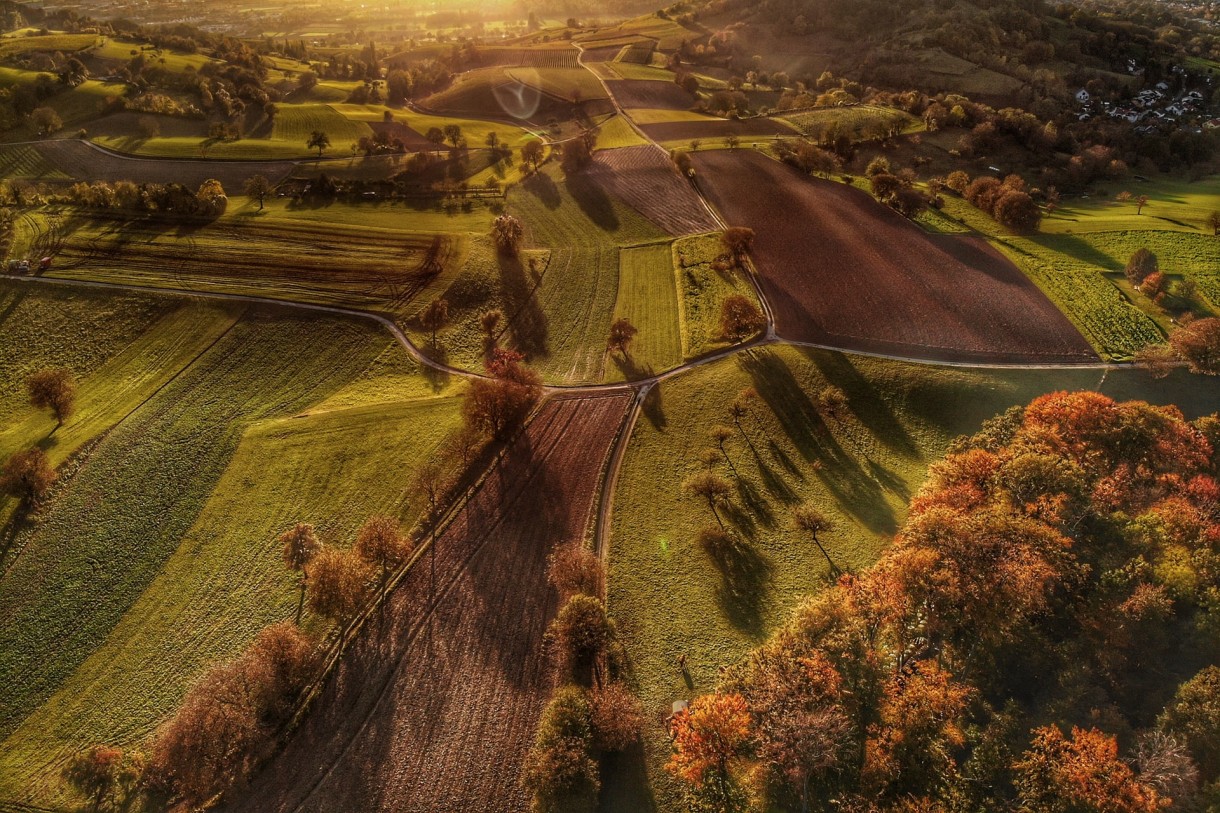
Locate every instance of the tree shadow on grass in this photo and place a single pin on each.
(540, 185)
(625, 784)
(654, 408)
(744, 579)
(629, 368)
(866, 403)
(437, 379)
(757, 504)
(856, 491)
(525, 316)
(592, 200)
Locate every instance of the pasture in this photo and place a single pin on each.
(859, 466)
(901, 292)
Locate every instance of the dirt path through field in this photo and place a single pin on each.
(433, 707)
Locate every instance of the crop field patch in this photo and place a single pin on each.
(295, 123)
(859, 122)
(644, 178)
(650, 94)
(322, 263)
(452, 736)
(710, 128)
(569, 84)
(841, 269)
(81, 162)
(67, 43)
(26, 161)
(648, 298)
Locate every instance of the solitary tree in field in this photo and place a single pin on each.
(490, 322)
(53, 389)
(737, 240)
(831, 399)
(1143, 263)
(299, 545)
(319, 141)
(1140, 203)
(435, 317)
(621, 334)
(532, 152)
(435, 135)
(498, 405)
(809, 519)
(740, 318)
(96, 774)
(258, 187)
(507, 232)
(720, 434)
(453, 134)
(383, 546)
(46, 120)
(28, 476)
(1213, 220)
(711, 487)
(732, 141)
(338, 585)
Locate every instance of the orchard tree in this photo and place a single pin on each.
(710, 742)
(583, 633)
(710, 487)
(435, 317)
(532, 153)
(498, 405)
(46, 120)
(506, 232)
(1198, 344)
(28, 476)
(1017, 211)
(573, 569)
(616, 717)
(96, 774)
(453, 134)
(621, 334)
(561, 771)
(383, 546)
(1213, 222)
(53, 389)
(338, 585)
(740, 318)
(435, 135)
(258, 187)
(809, 519)
(299, 545)
(318, 140)
(1142, 264)
(737, 241)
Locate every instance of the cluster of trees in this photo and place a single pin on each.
(594, 713)
(28, 475)
(208, 201)
(496, 406)
(1042, 636)
(1007, 201)
(897, 190)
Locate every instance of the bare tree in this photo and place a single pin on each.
(259, 187)
(435, 317)
(712, 488)
(808, 518)
(28, 476)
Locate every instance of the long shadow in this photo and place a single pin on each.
(654, 408)
(592, 200)
(528, 322)
(540, 185)
(1074, 247)
(629, 368)
(755, 502)
(625, 784)
(775, 484)
(867, 403)
(840, 473)
(744, 577)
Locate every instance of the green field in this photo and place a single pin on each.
(295, 123)
(11, 46)
(229, 424)
(861, 122)
(648, 298)
(1174, 205)
(860, 467)
(704, 290)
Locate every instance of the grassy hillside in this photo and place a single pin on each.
(860, 467)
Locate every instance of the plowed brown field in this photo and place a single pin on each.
(645, 178)
(716, 128)
(650, 93)
(840, 269)
(433, 709)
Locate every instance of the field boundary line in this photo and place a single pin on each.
(610, 472)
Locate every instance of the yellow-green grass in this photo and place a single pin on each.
(618, 132)
(174, 61)
(857, 122)
(358, 267)
(295, 123)
(704, 290)
(225, 580)
(112, 528)
(474, 130)
(648, 298)
(634, 70)
(471, 92)
(243, 149)
(15, 46)
(1174, 204)
(564, 83)
(668, 34)
(860, 468)
(407, 215)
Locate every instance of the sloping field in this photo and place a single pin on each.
(568, 84)
(840, 269)
(716, 128)
(295, 122)
(650, 94)
(860, 468)
(645, 179)
(433, 710)
(122, 516)
(859, 122)
(81, 162)
(26, 161)
(321, 263)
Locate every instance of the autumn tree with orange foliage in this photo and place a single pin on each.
(1066, 557)
(711, 740)
(499, 404)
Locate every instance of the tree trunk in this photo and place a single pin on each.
(301, 601)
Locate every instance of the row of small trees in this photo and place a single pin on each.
(1008, 201)
(209, 200)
